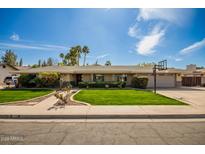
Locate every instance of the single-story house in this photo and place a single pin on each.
(193, 76)
(165, 78)
(5, 70)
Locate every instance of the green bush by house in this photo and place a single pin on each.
(111, 84)
(139, 82)
(25, 80)
(42, 80)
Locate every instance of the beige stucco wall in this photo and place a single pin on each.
(4, 72)
(86, 77)
(108, 77)
(178, 77)
(67, 77)
(129, 79)
(168, 80)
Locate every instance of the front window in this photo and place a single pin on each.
(98, 77)
(120, 77)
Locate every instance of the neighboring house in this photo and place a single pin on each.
(166, 78)
(193, 76)
(5, 70)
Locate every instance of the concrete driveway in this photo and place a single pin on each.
(195, 96)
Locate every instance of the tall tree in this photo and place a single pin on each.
(73, 56)
(21, 62)
(85, 51)
(9, 57)
(108, 63)
(39, 63)
(44, 63)
(67, 59)
(62, 56)
(49, 61)
(78, 51)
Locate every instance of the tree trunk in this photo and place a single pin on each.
(78, 59)
(84, 59)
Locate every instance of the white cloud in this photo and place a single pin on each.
(33, 46)
(134, 31)
(102, 56)
(55, 46)
(176, 16)
(193, 47)
(147, 44)
(15, 37)
(178, 59)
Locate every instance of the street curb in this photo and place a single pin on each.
(154, 116)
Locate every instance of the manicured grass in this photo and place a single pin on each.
(124, 97)
(10, 95)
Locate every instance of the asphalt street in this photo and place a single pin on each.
(102, 133)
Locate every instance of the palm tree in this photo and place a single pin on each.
(78, 51)
(73, 56)
(67, 58)
(62, 56)
(85, 51)
(108, 63)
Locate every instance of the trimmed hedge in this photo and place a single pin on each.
(139, 82)
(111, 84)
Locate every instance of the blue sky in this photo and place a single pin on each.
(124, 36)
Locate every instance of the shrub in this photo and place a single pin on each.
(82, 84)
(24, 80)
(111, 84)
(73, 83)
(139, 83)
(48, 79)
(40, 81)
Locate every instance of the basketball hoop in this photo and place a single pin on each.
(162, 65)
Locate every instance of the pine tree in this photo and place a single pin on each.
(9, 57)
(50, 61)
(39, 63)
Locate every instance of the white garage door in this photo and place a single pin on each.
(162, 81)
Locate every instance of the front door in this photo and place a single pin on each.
(78, 78)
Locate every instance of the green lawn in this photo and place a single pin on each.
(124, 97)
(10, 95)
